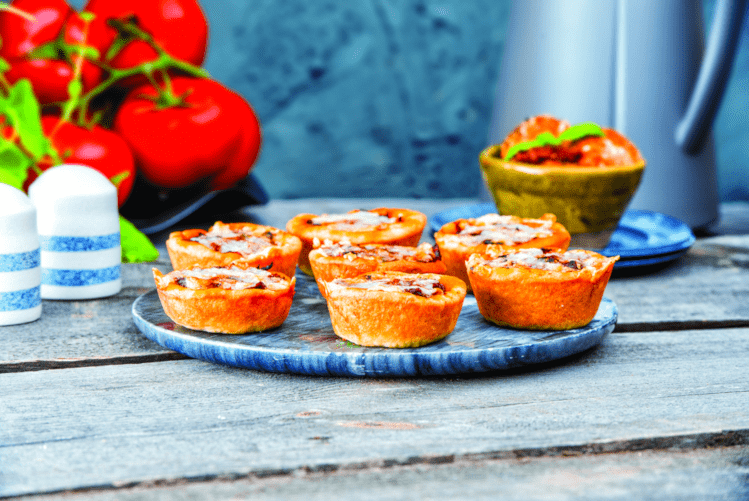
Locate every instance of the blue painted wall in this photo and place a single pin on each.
(392, 97)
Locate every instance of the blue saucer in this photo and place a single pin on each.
(306, 343)
(642, 238)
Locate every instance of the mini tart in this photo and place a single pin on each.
(393, 309)
(345, 260)
(539, 289)
(459, 239)
(243, 244)
(229, 300)
(376, 226)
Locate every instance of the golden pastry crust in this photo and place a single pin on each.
(345, 260)
(393, 309)
(376, 226)
(245, 245)
(228, 300)
(459, 239)
(539, 289)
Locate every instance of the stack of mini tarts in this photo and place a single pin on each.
(459, 239)
(393, 309)
(539, 289)
(245, 245)
(233, 278)
(228, 300)
(376, 226)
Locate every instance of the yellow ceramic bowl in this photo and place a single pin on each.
(588, 201)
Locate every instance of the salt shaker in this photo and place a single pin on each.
(79, 233)
(20, 272)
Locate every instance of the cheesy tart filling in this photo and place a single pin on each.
(344, 259)
(242, 244)
(377, 226)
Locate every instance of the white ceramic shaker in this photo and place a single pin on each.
(20, 272)
(79, 233)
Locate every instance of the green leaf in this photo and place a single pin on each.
(47, 50)
(14, 164)
(4, 66)
(581, 130)
(136, 247)
(118, 178)
(23, 112)
(574, 133)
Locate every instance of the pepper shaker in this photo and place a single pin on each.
(20, 272)
(79, 233)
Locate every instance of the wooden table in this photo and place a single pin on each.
(91, 409)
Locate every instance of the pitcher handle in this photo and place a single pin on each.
(692, 131)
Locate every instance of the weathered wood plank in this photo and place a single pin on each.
(716, 474)
(130, 423)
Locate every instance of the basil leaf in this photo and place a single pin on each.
(580, 131)
(136, 247)
(45, 51)
(24, 114)
(14, 164)
(574, 133)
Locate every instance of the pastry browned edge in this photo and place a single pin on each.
(228, 300)
(458, 239)
(539, 289)
(246, 245)
(375, 226)
(345, 260)
(393, 309)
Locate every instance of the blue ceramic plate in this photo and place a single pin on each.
(642, 237)
(306, 343)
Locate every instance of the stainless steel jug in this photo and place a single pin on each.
(638, 66)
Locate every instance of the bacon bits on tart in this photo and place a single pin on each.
(345, 260)
(539, 289)
(376, 226)
(393, 309)
(459, 239)
(243, 244)
(228, 300)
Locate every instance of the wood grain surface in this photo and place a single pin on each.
(90, 409)
(188, 418)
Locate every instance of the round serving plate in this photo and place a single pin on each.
(306, 343)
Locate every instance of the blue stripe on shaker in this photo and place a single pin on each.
(79, 244)
(20, 261)
(20, 300)
(79, 278)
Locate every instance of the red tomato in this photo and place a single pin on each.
(51, 72)
(214, 137)
(178, 26)
(21, 35)
(98, 148)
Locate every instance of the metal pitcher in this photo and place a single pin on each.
(638, 66)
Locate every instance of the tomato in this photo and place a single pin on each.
(34, 48)
(97, 147)
(212, 137)
(178, 26)
(22, 35)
